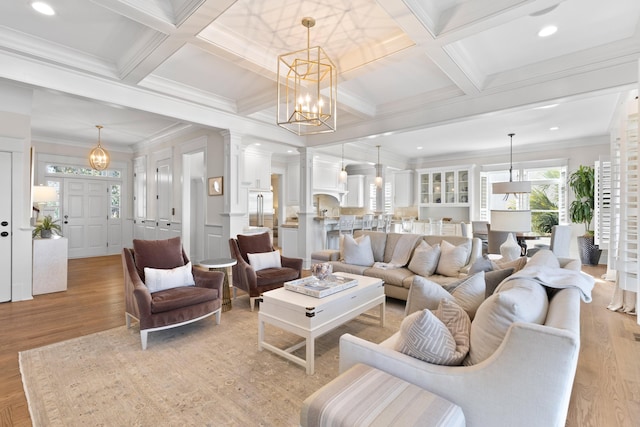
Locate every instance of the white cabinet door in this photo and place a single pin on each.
(355, 196)
(257, 170)
(403, 189)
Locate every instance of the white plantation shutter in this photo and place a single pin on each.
(626, 262)
(602, 216)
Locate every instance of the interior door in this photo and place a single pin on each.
(5, 227)
(85, 211)
(139, 197)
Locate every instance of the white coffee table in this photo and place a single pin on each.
(311, 317)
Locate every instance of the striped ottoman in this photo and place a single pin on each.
(366, 396)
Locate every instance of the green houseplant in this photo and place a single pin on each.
(581, 210)
(46, 228)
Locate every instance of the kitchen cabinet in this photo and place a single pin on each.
(449, 187)
(257, 169)
(403, 182)
(355, 188)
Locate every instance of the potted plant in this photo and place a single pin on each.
(582, 183)
(46, 228)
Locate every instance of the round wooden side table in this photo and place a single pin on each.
(224, 265)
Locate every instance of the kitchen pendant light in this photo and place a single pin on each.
(343, 172)
(378, 179)
(99, 157)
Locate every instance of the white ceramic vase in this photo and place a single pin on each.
(510, 249)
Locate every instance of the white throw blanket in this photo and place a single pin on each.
(401, 253)
(558, 278)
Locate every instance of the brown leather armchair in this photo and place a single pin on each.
(170, 307)
(256, 282)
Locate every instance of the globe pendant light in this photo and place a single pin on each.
(99, 157)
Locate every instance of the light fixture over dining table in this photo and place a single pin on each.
(511, 187)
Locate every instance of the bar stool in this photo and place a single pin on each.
(367, 222)
(344, 226)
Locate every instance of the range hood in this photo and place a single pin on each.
(338, 195)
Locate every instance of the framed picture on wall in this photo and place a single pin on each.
(215, 186)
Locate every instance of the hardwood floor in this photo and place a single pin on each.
(606, 391)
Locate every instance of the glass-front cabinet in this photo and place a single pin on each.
(445, 186)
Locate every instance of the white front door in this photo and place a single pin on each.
(85, 213)
(5, 227)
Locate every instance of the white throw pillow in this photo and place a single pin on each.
(546, 258)
(440, 337)
(263, 260)
(522, 301)
(424, 294)
(425, 259)
(358, 251)
(158, 279)
(468, 293)
(452, 258)
(517, 264)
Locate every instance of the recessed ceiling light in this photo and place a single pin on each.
(544, 107)
(547, 31)
(554, 128)
(419, 148)
(289, 151)
(43, 8)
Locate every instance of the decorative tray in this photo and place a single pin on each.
(315, 287)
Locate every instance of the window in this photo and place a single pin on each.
(547, 200)
(115, 199)
(82, 171)
(387, 195)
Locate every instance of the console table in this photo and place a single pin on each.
(49, 265)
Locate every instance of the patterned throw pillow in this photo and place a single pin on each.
(440, 337)
(425, 259)
(452, 258)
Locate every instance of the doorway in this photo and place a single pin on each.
(5, 227)
(193, 204)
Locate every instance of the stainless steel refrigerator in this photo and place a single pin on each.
(261, 209)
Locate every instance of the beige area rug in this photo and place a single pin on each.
(200, 374)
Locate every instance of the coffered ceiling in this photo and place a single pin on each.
(448, 76)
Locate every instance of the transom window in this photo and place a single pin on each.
(82, 171)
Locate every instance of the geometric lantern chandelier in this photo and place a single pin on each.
(99, 157)
(307, 89)
(511, 187)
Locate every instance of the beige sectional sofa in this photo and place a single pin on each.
(384, 246)
(526, 379)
